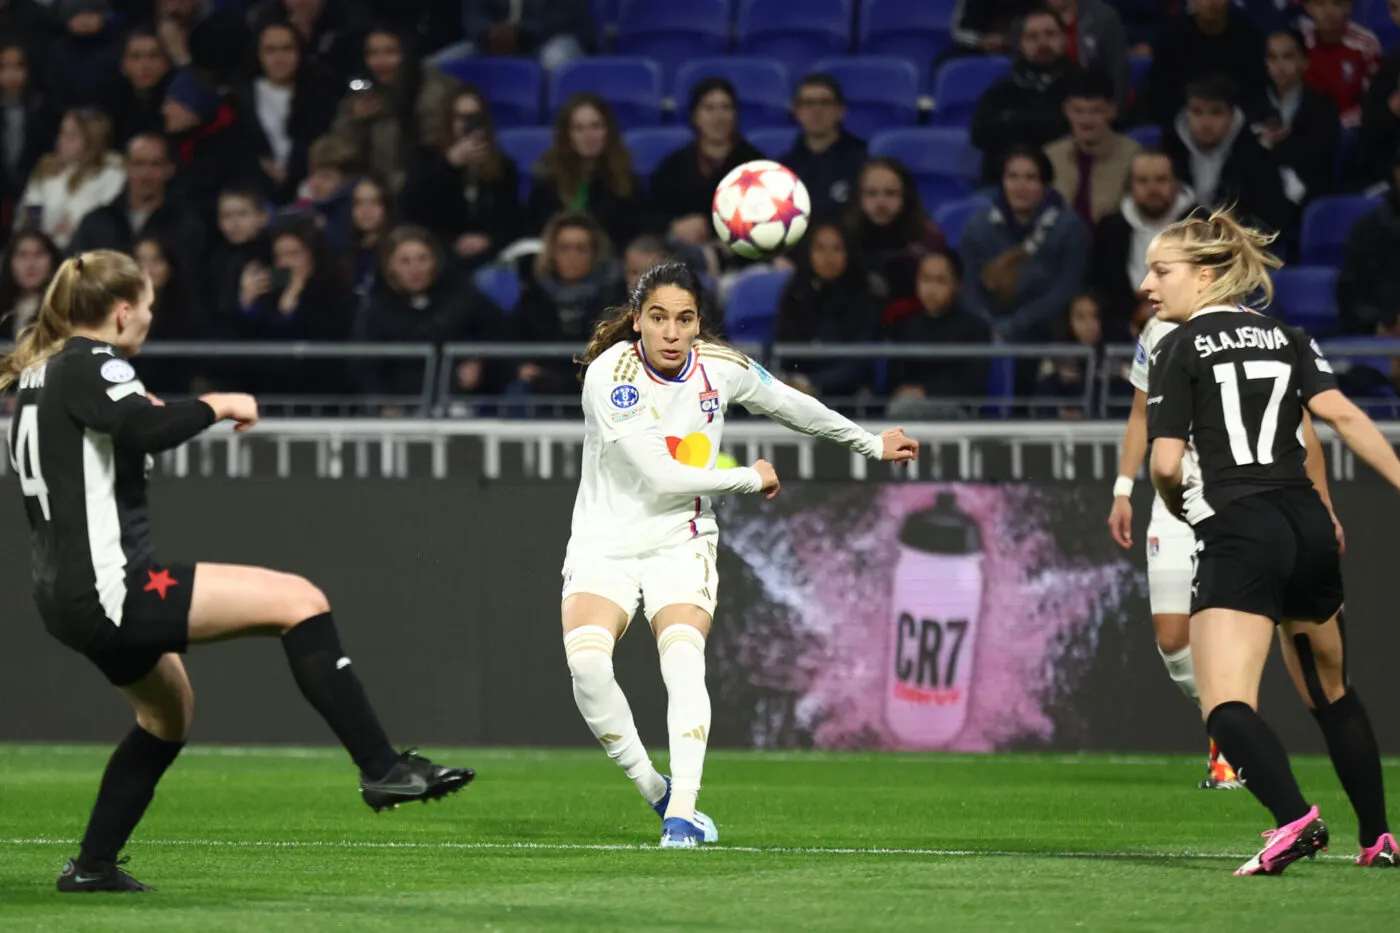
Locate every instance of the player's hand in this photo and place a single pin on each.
(155, 400)
(898, 447)
(1341, 536)
(1120, 521)
(769, 476)
(233, 406)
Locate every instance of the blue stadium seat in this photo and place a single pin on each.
(794, 33)
(960, 83)
(1326, 223)
(952, 216)
(941, 159)
(1138, 67)
(1001, 384)
(773, 141)
(499, 283)
(525, 145)
(753, 306)
(631, 85)
(649, 146)
(1375, 16)
(513, 87)
(881, 93)
(1147, 135)
(918, 32)
(1307, 296)
(670, 33)
(1348, 155)
(605, 14)
(761, 83)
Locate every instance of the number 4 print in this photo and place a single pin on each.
(25, 458)
(1228, 377)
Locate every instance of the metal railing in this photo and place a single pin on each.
(1003, 402)
(439, 397)
(398, 448)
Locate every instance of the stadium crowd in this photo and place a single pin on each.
(333, 170)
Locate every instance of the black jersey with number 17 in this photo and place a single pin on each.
(80, 439)
(1233, 383)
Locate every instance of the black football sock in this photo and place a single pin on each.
(1257, 756)
(328, 682)
(1357, 759)
(128, 784)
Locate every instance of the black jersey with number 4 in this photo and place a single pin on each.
(80, 440)
(1233, 383)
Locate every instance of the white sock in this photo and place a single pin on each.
(682, 650)
(589, 651)
(1182, 672)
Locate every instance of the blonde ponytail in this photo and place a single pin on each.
(83, 293)
(1238, 253)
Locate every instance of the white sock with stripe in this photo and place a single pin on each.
(1182, 672)
(589, 650)
(682, 650)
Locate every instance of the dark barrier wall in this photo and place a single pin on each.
(447, 596)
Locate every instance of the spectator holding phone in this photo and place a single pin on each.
(395, 105)
(300, 297)
(466, 190)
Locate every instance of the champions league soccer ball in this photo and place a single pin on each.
(760, 208)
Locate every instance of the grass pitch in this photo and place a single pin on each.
(274, 840)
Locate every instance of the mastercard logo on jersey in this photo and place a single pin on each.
(692, 450)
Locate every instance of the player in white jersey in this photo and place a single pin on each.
(654, 400)
(1171, 544)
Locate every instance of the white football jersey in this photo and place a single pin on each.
(1152, 333)
(625, 505)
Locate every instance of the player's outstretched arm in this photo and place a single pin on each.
(1134, 444)
(761, 393)
(151, 428)
(662, 473)
(1358, 431)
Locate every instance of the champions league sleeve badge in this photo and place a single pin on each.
(625, 396)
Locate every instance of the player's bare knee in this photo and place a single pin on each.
(169, 720)
(301, 600)
(1172, 641)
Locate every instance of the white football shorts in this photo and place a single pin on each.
(1171, 566)
(684, 573)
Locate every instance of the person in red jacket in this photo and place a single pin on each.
(1342, 55)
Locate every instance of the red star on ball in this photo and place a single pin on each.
(785, 210)
(748, 179)
(159, 582)
(739, 228)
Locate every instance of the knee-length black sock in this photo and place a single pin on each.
(329, 683)
(128, 784)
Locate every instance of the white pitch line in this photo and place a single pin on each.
(618, 847)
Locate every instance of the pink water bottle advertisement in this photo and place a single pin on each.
(915, 616)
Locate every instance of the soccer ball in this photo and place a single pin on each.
(760, 208)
